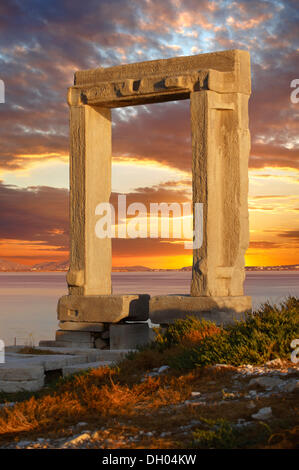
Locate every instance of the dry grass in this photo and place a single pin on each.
(95, 398)
(193, 337)
(103, 399)
(117, 403)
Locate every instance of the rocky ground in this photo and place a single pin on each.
(245, 396)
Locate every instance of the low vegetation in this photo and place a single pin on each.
(265, 335)
(124, 400)
(36, 351)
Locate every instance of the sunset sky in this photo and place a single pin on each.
(44, 42)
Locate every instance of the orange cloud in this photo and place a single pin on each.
(248, 23)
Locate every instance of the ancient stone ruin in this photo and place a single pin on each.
(218, 86)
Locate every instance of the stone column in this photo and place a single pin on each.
(220, 149)
(90, 184)
(90, 298)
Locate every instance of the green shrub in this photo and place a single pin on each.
(191, 329)
(263, 336)
(219, 435)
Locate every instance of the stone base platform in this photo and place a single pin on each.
(130, 335)
(103, 308)
(115, 336)
(28, 372)
(165, 309)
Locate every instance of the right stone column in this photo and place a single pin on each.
(220, 148)
(220, 151)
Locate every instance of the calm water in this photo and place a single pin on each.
(28, 300)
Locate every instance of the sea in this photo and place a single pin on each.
(28, 301)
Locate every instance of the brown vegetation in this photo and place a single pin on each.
(129, 400)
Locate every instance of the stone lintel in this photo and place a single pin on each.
(165, 309)
(235, 61)
(151, 89)
(103, 308)
(162, 80)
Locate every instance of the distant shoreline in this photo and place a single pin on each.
(133, 269)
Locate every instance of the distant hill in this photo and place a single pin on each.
(130, 268)
(10, 266)
(7, 266)
(186, 268)
(64, 266)
(51, 266)
(282, 267)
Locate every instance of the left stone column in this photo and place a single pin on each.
(90, 184)
(85, 314)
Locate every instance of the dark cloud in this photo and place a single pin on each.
(38, 214)
(293, 235)
(264, 245)
(143, 247)
(165, 192)
(158, 132)
(41, 215)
